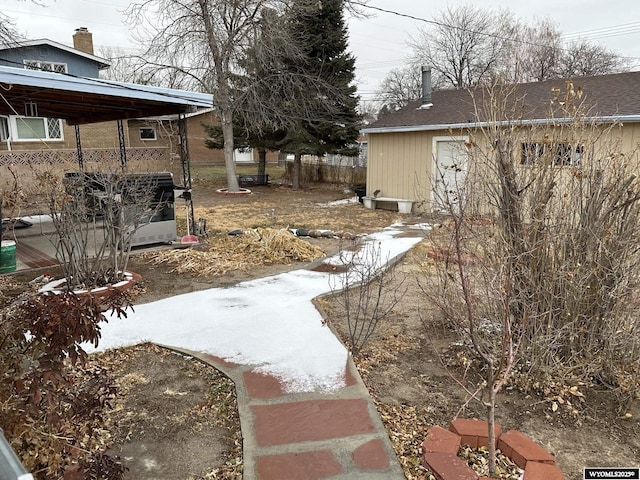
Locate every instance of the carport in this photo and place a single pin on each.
(81, 100)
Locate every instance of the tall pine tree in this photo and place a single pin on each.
(332, 123)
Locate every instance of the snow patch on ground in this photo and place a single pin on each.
(269, 322)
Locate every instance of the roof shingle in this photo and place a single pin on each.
(603, 96)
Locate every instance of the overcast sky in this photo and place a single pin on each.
(379, 43)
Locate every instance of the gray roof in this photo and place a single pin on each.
(87, 100)
(605, 97)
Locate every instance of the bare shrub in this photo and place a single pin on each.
(568, 216)
(366, 291)
(554, 278)
(95, 216)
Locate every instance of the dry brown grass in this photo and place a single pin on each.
(261, 246)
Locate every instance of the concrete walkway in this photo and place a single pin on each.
(308, 436)
(335, 435)
(304, 411)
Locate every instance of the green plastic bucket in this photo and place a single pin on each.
(7, 256)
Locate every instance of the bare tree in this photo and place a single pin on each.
(463, 47)
(542, 51)
(9, 34)
(369, 110)
(582, 58)
(468, 46)
(124, 67)
(400, 86)
(204, 40)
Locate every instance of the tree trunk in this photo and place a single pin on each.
(491, 421)
(319, 175)
(262, 163)
(227, 136)
(297, 163)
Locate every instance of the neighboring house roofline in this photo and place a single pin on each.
(603, 98)
(102, 63)
(201, 111)
(473, 125)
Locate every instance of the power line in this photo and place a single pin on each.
(456, 27)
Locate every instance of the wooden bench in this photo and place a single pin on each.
(404, 205)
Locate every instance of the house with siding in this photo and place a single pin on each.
(29, 137)
(419, 151)
(27, 130)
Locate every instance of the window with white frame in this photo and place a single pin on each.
(147, 133)
(560, 154)
(45, 66)
(33, 128)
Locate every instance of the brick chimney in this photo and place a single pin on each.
(83, 40)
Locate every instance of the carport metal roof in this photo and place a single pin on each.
(81, 100)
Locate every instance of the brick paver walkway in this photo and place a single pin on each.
(334, 435)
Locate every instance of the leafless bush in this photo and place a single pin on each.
(554, 278)
(568, 230)
(560, 266)
(367, 291)
(95, 216)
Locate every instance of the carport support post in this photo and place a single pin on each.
(122, 144)
(186, 167)
(79, 148)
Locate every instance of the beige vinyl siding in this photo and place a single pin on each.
(631, 139)
(399, 165)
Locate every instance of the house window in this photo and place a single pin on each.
(45, 66)
(531, 153)
(568, 155)
(147, 133)
(560, 154)
(34, 128)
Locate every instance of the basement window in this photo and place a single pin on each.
(147, 133)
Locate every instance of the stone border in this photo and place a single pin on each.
(241, 191)
(440, 451)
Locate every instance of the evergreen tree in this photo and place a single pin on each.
(332, 123)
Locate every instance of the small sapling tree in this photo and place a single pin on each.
(366, 291)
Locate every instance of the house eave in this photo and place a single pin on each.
(475, 125)
(101, 62)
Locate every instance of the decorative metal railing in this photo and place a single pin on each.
(52, 157)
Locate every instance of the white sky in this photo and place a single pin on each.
(270, 322)
(379, 43)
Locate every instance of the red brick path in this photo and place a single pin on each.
(309, 436)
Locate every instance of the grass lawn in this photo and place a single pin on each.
(216, 175)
